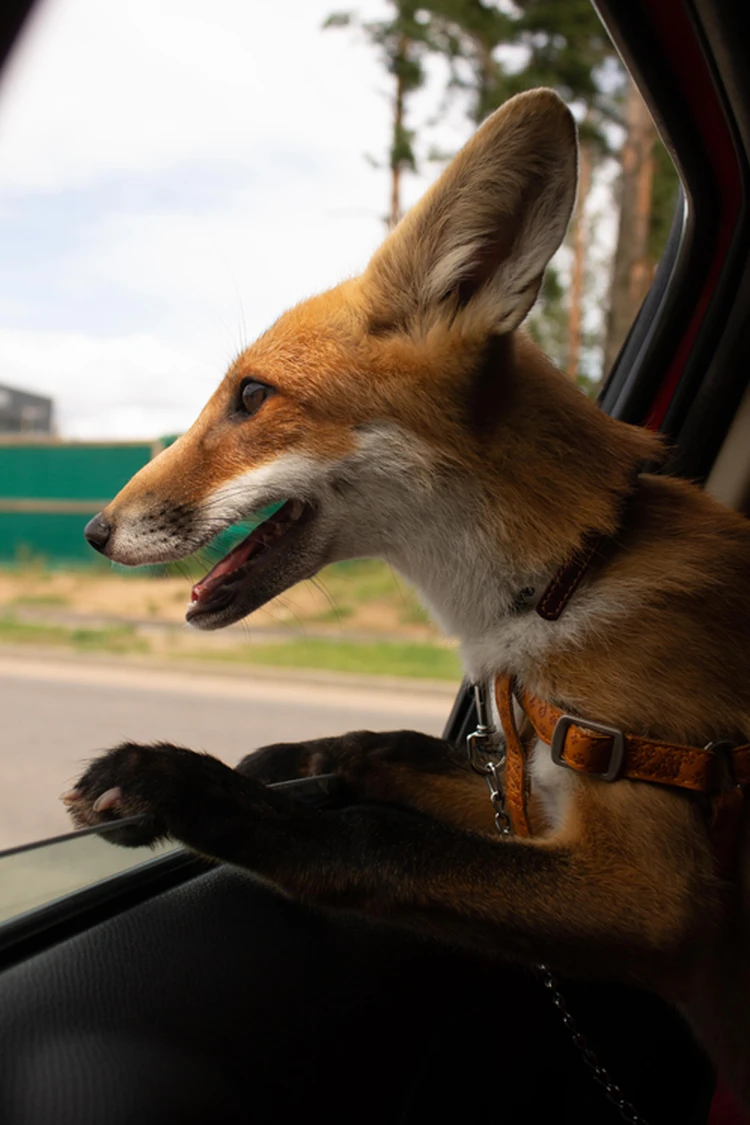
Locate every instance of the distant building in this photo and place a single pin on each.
(24, 413)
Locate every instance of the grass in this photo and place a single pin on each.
(332, 616)
(112, 638)
(41, 600)
(414, 614)
(363, 582)
(378, 658)
(346, 587)
(362, 596)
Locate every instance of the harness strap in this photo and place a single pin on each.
(515, 759)
(605, 752)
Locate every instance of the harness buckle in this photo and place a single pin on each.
(617, 758)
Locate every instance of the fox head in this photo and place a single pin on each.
(401, 414)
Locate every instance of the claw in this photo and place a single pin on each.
(109, 799)
(71, 796)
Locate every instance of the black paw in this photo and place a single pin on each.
(363, 760)
(162, 785)
(280, 762)
(347, 756)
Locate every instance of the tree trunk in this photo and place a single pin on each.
(632, 269)
(579, 263)
(395, 211)
(398, 130)
(486, 80)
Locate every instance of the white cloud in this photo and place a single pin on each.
(172, 176)
(137, 386)
(102, 88)
(252, 264)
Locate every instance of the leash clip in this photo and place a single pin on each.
(479, 743)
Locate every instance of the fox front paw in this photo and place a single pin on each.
(375, 766)
(161, 785)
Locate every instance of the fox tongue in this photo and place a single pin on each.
(236, 558)
(231, 562)
(258, 541)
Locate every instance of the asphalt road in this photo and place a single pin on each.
(54, 714)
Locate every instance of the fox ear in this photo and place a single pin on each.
(478, 242)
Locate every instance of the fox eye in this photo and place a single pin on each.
(253, 394)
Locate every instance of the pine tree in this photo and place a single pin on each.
(562, 44)
(496, 53)
(402, 42)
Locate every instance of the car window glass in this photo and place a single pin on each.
(34, 876)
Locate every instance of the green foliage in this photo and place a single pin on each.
(495, 49)
(468, 32)
(402, 148)
(561, 45)
(567, 47)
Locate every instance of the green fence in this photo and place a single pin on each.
(50, 489)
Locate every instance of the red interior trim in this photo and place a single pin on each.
(682, 53)
(725, 1110)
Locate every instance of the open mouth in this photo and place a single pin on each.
(228, 584)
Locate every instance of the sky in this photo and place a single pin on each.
(173, 175)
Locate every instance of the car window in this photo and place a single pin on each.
(37, 874)
(163, 197)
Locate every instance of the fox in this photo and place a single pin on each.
(406, 415)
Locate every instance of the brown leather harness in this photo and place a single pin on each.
(719, 770)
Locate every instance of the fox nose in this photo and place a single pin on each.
(97, 532)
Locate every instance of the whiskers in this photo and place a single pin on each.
(184, 570)
(284, 602)
(399, 584)
(282, 623)
(319, 584)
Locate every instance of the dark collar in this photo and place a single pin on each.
(569, 575)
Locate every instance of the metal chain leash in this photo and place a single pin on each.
(480, 742)
(600, 1074)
